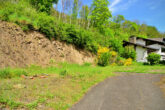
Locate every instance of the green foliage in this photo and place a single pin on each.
(64, 73)
(9, 102)
(84, 13)
(8, 73)
(43, 5)
(116, 45)
(93, 29)
(104, 59)
(79, 37)
(5, 73)
(119, 19)
(87, 64)
(46, 25)
(129, 52)
(100, 13)
(75, 9)
(153, 58)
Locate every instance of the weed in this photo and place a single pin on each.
(32, 105)
(5, 73)
(10, 103)
(64, 73)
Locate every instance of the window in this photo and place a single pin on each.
(163, 50)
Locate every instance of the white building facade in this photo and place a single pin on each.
(144, 47)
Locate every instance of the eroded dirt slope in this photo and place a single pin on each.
(20, 49)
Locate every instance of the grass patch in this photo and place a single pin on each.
(65, 84)
(10, 73)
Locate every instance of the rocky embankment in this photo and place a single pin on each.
(19, 49)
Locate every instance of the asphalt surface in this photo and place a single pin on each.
(126, 92)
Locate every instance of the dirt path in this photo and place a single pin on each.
(126, 92)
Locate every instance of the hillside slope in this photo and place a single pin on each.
(18, 48)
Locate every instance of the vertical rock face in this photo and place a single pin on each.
(21, 49)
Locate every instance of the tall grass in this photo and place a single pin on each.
(10, 73)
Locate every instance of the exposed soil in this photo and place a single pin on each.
(19, 49)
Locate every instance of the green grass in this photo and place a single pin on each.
(65, 84)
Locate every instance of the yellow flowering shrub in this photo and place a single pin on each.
(106, 56)
(120, 62)
(102, 50)
(113, 53)
(113, 64)
(103, 56)
(128, 62)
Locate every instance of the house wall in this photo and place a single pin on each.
(141, 54)
(141, 42)
(132, 39)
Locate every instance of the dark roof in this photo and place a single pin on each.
(152, 40)
(125, 43)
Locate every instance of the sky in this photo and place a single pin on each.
(150, 12)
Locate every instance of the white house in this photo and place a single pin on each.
(145, 46)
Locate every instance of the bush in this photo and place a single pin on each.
(113, 57)
(120, 61)
(128, 62)
(46, 25)
(103, 56)
(116, 45)
(153, 58)
(104, 59)
(162, 62)
(129, 52)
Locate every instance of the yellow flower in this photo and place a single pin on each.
(128, 62)
(113, 53)
(113, 64)
(102, 50)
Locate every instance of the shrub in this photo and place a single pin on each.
(120, 61)
(103, 56)
(162, 62)
(116, 45)
(46, 25)
(128, 62)
(129, 52)
(113, 57)
(153, 58)
(104, 59)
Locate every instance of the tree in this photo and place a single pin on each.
(152, 32)
(84, 14)
(100, 13)
(76, 6)
(119, 19)
(43, 5)
(75, 9)
(143, 29)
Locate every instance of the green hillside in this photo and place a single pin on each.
(86, 27)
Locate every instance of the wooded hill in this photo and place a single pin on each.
(78, 24)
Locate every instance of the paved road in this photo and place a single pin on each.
(126, 92)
